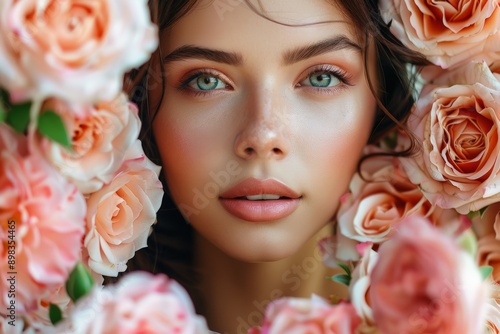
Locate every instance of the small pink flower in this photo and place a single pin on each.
(120, 215)
(459, 164)
(43, 220)
(139, 303)
(314, 315)
(424, 283)
(446, 32)
(76, 50)
(99, 141)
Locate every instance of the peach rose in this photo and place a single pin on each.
(99, 141)
(76, 50)
(488, 254)
(379, 201)
(459, 164)
(424, 283)
(42, 220)
(139, 303)
(314, 315)
(120, 215)
(446, 32)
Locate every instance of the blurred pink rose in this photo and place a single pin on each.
(120, 215)
(139, 303)
(424, 283)
(381, 200)
(43, 221)
(446, 32)
(76, 50)
(459, 164)
(314, 315)
(99, 140)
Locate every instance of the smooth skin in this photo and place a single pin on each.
(255, 99)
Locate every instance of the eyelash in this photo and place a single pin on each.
(340, 74)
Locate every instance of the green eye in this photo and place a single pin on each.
(321, 80)
(207, 82)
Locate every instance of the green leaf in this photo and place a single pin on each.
(485, 271)
(3, 112)
(341, 278)
(345, 267)
(55, 314)
(479, 213)
(79, 283)
(19, 116)
(468, 241)
(51, 126)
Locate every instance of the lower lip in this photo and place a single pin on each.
(260, 211)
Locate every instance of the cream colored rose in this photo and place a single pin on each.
(120, 215)
(359, 291)
(99, 141)
(446, 32)
(459, 126)
(493, 317)
(73, 49)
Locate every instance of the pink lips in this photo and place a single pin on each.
(235, 202)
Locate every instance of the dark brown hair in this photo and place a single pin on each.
(169, 248)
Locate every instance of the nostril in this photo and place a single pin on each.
(277, 151)
(249, 150)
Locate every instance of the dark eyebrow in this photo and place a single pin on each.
(332, 44)
(195, 52)
(231, 58)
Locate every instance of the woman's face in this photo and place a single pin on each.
(262, 124)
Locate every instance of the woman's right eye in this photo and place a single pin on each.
(204, 82)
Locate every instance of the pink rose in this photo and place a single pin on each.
(99, 141)
(378, 201)
(446, 32)
(75, 50)
(120, 215)
(139, 303)
(424, 283)
(39, 319)
(314, 315)
(459, 164)
(43, 220)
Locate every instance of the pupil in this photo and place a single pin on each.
(207, 82)
(321, 80)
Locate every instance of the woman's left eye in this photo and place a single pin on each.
(321, 79)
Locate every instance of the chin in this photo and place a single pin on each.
(258, 249)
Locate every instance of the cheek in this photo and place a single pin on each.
(192, 149)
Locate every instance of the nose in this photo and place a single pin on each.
(264, 134)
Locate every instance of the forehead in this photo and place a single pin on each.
(277, 23)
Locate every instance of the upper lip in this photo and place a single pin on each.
(254, 186)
